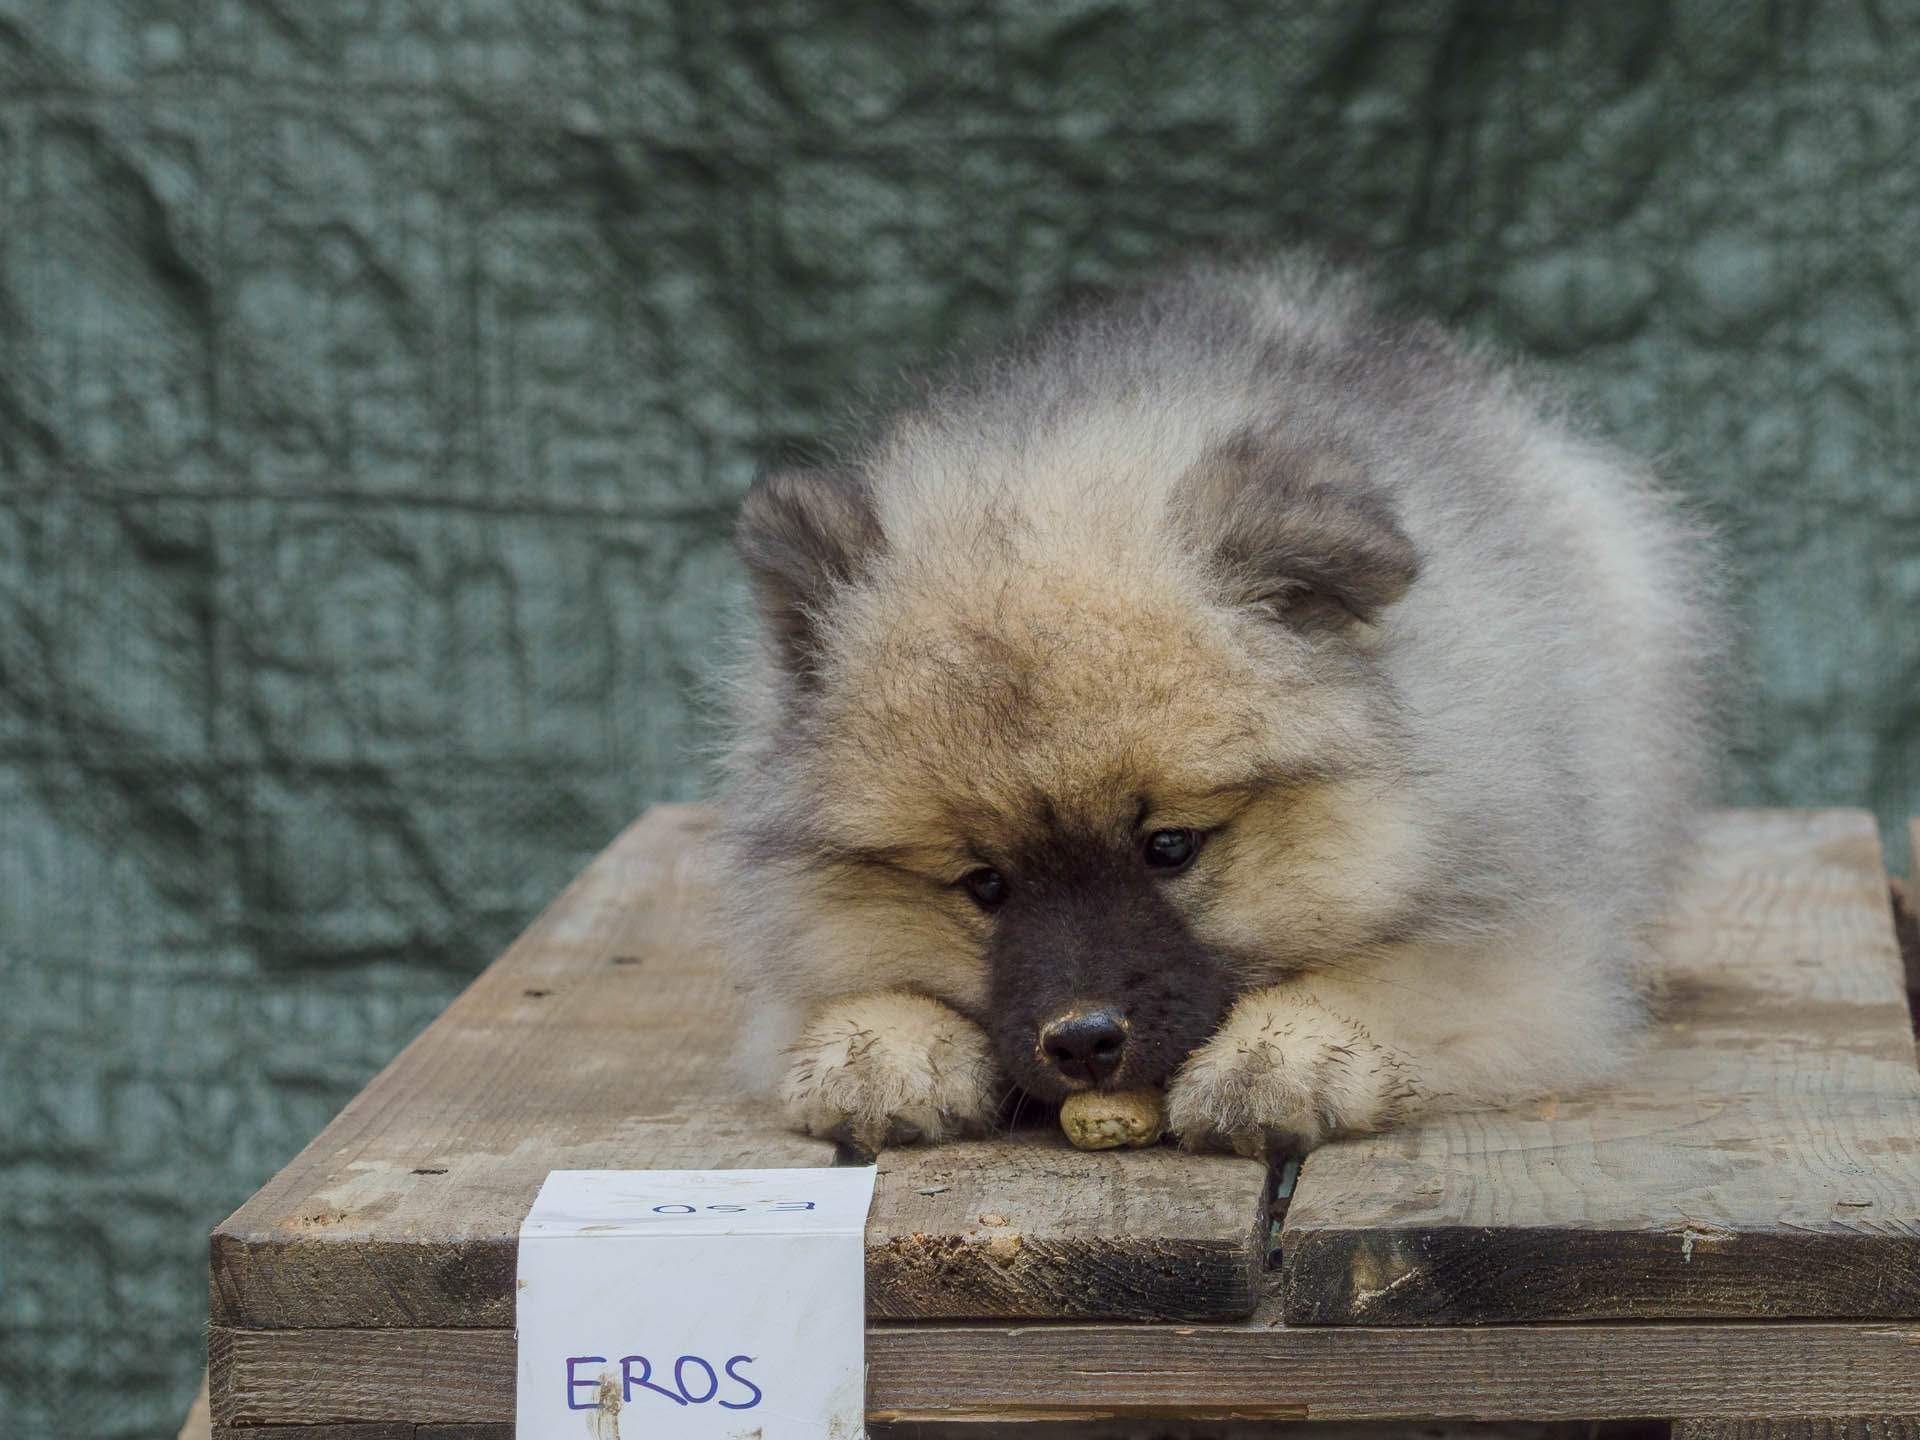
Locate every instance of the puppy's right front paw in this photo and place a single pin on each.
(888, 1069)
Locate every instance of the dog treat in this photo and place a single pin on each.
(1108, 1119)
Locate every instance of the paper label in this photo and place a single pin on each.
(694, 1305)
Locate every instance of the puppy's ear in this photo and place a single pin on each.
(1300, 534)
(802, 533)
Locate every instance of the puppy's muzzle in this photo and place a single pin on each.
(1085, 1046)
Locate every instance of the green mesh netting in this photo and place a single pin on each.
(376, 380)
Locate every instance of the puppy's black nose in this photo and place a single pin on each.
(1085, 1044)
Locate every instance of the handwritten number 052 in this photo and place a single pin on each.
(779, 1207)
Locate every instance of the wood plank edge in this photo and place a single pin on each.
(249, 1278)
(1450, 1275)
(1151, 1372)
(1802, 1427)
(937, 1278)
(376, 1430)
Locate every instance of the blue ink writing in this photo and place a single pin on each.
(677, 1207)
(627, 1382)
(574, 1384)
(680, 1379)
(734, 1374)
(636, 1373)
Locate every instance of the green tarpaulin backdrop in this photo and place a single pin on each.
(377, 378)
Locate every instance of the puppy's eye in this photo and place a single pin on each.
(987, 887)
(1171, 849)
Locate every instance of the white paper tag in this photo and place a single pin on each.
(694, 1305)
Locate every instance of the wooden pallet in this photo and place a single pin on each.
(1736, 1228)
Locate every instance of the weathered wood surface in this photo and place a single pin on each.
(1036, 1430)
(1016, 1430)
(1253, 1369)
(600, 1040)
(1802, 1427)
(1761, 1160)
(1027, 1226)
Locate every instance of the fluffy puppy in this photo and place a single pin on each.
(1229, 689)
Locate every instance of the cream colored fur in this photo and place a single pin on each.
(887, 1069)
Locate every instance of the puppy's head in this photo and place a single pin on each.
(1083, 771)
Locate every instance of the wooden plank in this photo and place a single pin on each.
(1761, 1160)
(600, 1040)
(391, 1430)
(1047, 1430)
(1027, 1226)
(1037, 1430)
(1254, 1369)
(1802, 1427)
(1161, 1429)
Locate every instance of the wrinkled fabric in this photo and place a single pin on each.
(376, 382)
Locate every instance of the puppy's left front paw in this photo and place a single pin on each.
(1284, 1075)
(888, 1069)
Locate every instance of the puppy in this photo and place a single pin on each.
(1229, 689)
